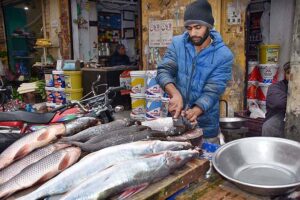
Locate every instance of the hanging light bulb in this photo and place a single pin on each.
(26, 8)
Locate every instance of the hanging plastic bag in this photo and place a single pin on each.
(256, 112)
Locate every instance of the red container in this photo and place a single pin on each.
(251, 90)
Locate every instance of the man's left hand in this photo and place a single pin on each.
(193, 113)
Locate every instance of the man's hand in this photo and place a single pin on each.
(176, 102)
(193, 113)
(176, 105)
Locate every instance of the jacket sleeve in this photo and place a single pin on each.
(167, 68)
(276, 97)
(215, 85)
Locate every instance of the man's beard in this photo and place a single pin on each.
(198, 41)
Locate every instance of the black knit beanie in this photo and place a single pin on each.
(199, 12)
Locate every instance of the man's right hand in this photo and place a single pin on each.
(176, 102)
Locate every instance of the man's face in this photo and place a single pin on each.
(122, 51)
(196, 32)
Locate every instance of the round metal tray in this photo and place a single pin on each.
(261, 165)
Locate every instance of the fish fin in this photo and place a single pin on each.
(130, 191)
(22, 152)
(64, 163)
(43, 136)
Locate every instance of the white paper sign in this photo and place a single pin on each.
(160, 33)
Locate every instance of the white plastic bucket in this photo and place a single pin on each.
(262, 91)
(50, 92)
(153, 107)
(269, 73)
(138, 104)
(138, 82)
(59, 79)
(153, 87)
(251, 89)
(253, 71)
(60, 96)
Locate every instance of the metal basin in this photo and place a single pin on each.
(261, 165)
(232, 122)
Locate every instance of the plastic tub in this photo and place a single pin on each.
(138, 82)
(153, 107)
(269, 73)
(269, 54)
(50, 92)
(251, 89)
(138, 104)
(164, 106)
(74, 94)
(153, 87)
(253, 71)
(73, 79)
(262, 91)
(60, 96)
(59, 79)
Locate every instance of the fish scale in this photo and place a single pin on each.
(13, 169)
(41, 171)
(97, 162)
(30, 142)
(140, 171)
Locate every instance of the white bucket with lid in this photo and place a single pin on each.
(138, 82)
(153, 87)
(153, 107)
(138, 104)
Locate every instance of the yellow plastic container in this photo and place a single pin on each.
(269, 54)
(73, 94)
(73, 79)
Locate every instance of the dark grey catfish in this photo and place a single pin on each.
(116, 133)
(80, 124)
(98, 130)
(121, 139)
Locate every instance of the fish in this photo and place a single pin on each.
(116, 133)
(116, 140)
(97, 130)
(30, 142)
(98, 161)
(161, 124)
(16, 167)
(135, 174)
(6, 139)
(80, 124)
(41, 171)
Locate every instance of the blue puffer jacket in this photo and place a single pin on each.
(212, 69)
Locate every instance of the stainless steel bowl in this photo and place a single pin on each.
(261, 165)
(232, 122)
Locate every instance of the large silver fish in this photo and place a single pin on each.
(80, 124)
(30, 142)
(97, 161)
(161, 124)
(98, 130)
(16, 167)
(41, 171)
(138, 172)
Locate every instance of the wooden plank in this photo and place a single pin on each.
(191, 172)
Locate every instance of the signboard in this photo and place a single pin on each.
(160, 33)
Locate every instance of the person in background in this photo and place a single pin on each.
(195, 70)
(119, 57)
(276, 106)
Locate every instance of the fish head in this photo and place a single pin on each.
(175, 159)
(159, 146)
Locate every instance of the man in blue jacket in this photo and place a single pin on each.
(195, 70)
